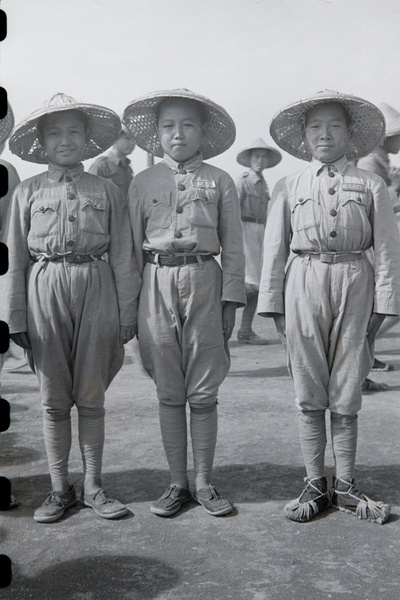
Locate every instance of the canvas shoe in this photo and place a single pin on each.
(171, 501)
(54, 506)
(105, 507)
(212, 502)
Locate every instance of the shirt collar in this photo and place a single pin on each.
(118, 160)
(56, 173)
(339, 165)
(190, 165)
(255, 176)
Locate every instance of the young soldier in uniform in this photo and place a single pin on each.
(116, 164)
(254, 198)
(72, 310)
(183, 211)
(328, 299)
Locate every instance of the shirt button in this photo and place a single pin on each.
(41, 209)
(71, 196)
(333, 212)
(181, 187)
(331, 174)
(71, 218)
(178, 234)
(70, 243)
(333, 234)
(155, 201)
(331, 191)
(68, 178)
(179, 209)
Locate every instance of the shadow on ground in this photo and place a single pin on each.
(252, 483)
(97, 578)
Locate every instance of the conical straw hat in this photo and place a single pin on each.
(104, 128)
(6, 124)
(140, 117)
(368, 124)
(392, 118)
(274, 156)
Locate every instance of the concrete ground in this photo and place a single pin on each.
(253, 554)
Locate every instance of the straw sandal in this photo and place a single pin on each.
(313, 500)
(347, 498)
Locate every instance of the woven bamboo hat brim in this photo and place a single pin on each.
(392, 118)
(140, 117)
(274, 156)
(104, 128)
(6, 124)
(368, 125)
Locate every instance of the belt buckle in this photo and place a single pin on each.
(327, 258)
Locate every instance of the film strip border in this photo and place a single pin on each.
(6, 500)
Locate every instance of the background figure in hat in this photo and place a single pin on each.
(254, 198)
(183, 213)
(378, 162)
(327, 299)
(116, 164)
(69, 308)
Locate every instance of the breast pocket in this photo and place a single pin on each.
(45, 220)
(306, 213)
(203, 211)
(158, 212)
(355, 213)
(93, 214)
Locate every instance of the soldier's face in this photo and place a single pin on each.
(64, 138)
(179, 129)
(259, 159)
(327, 132)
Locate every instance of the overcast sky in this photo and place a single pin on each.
(251, 56)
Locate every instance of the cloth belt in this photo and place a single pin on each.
(71, 257)
(176, 261)
(251, 220)
(332, 257)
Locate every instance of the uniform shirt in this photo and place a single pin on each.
(115, 168)
(378, 162)
(253, 196)
(314, 212)
(13, 181)
(63, 211)
(193, 210)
